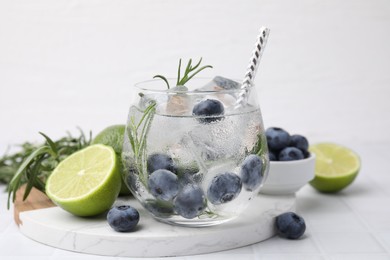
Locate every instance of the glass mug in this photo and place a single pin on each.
(191, 155)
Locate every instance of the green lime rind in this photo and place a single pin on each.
(331, 185)
(113, 136)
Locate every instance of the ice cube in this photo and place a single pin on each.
(148, 99)
(216, 141)
(226, 83)
(177, 103)
(219, 83)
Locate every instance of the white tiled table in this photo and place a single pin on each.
(324, 74)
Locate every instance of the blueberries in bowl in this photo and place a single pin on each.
(224, 188)
(210, 110)
(277, 138)
(290, 154)
(272, 156)
(300, 142)
(123, 218)
(290, 225)
(285, 147)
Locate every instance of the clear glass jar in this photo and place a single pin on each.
(192, 156)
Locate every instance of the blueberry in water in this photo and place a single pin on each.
(190, 202)
(123, 218)
(224, 188)
(211, 109)
(290, 225)
(159, 161)
(300, 142)
(272, 156)
(290, 154)
(277, 138)
(163, 184)
(225, 83)
(251, 172)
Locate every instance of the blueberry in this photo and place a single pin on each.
(306, 153)
(190, 202)
(159, 161)
(290, 225)
(211, 109)
(299, 142)
(163, 184)
(123, 218)
(290, 154)
(224, 188)
(277, 138)
(225, 83)
(251, 172)
(272, 156)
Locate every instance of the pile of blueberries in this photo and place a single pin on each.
(189, 200)
(177, 192)
(285, 147)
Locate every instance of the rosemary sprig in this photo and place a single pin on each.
(137, 135)
(34, 163)
(181, 81)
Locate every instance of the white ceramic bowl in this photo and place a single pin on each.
(289, 176)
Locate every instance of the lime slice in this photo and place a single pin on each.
(87, 182)
(113, 136)
(336, 167)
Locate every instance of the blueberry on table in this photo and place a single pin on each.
(300, 142)
(290, 154)
(290, 225)
(224, 188)
(277, 138)
(190, 202)
(123, 218)
(159, 161)
(210, 110)
(251, 172)
(163, 184)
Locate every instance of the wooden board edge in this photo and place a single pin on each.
(35, 200)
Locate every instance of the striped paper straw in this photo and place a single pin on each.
(253, 65)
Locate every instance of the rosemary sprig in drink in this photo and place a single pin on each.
(137, 136)
(181, 81)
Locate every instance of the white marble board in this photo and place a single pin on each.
(57, 228)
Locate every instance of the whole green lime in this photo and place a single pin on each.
(113, 136)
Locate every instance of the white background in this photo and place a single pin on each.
(324, 74)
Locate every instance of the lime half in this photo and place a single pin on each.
(336, 167)
(87, 182)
